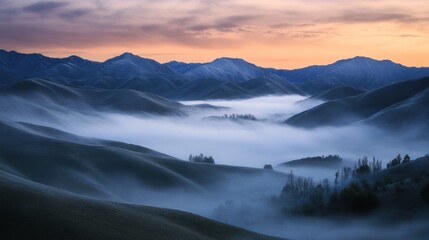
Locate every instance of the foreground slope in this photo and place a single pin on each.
(34, 211)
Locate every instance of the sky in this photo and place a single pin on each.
(271, 33)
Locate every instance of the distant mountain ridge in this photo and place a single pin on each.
(227, 69)
(357, 72)
(236, 77)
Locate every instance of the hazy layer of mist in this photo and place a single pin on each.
(246, 143)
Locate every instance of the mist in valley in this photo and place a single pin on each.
(246, 143)
(237, 200)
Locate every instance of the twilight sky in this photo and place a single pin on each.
(270, 33)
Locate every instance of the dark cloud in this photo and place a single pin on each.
(222, 24)
(181, 35)
(290, 25)
(74, 13)
(201, 23)
(374, 16)
(45, 7)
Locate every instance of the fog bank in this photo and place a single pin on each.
(247, 143)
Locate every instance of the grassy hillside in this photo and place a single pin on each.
(33, 211)
(114, 170)
(364, 106)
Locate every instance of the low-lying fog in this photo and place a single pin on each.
(247, 143)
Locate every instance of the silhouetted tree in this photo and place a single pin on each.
(337, 174)
(396, 161)
(406, 159)
(346, 174)
(376, 165)
(362, 167)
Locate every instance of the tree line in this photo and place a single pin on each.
(350, 193)
(201, 159)
(240, 116)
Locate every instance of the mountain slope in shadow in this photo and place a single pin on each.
(406, 99)
(357, 72)
(43, 99)
(338, 93)
(216, 89)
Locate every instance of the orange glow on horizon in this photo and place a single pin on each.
(284, 34)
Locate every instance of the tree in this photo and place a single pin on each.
(406, 159)
(346, 173)
(376, 165)
(337, 174)
(396, 161)
(362, 167)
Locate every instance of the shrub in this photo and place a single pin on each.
(353, 199)
(398, 188)
(425, 192)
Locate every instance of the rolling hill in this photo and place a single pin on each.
(330, 161)
(117, 171)
(44, 99)
(400, 104)
(33, 211)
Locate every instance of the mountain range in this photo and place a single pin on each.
(357, 72)
(222, 78)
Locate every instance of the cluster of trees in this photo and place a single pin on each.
(362, 167)
(350, 193)
(355, 199)
(398, 160)
(268, 167)
(310, 197)
(335, 156)
(201, 159)
(304, 195)
(240, 116)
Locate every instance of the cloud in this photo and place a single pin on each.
(45, 7)
(375, 16)
(245, 27)
(74, 13)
